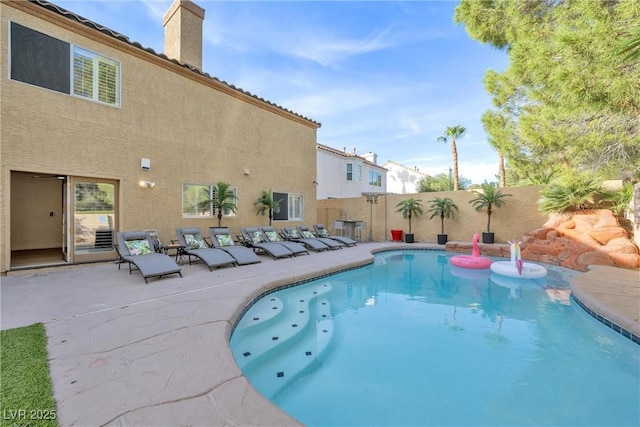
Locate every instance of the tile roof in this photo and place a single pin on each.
(109, 32)
(344, 153)
(414, 169)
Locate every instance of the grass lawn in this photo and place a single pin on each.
(26, 393)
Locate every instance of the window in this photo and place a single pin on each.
(39, 59)
(95, 77)
(44, 61)
(375, 179)
(296, 207)
(197, 201)
(349, 171)
(291, 207)
(359, 173)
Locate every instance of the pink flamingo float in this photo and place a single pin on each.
(474, 261)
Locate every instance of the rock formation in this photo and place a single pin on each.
(580, 239)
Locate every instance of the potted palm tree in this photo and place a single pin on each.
(224, 200)
(488, 198)
(410, 208)
(443, 208)
(266, 204)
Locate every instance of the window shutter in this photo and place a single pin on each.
(82, 75)
(107, 82)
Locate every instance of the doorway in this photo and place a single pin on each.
(58, 219)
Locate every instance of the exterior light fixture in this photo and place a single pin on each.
(147, 184)
(372, 199)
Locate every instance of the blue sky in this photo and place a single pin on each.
(386, 77)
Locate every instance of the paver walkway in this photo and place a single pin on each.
(126, 353)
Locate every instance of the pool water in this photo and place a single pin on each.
(413, 341)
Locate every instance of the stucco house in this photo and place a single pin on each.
(403, 179)
(343, 174)
(99, 134)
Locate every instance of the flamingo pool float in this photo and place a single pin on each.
(474, 261)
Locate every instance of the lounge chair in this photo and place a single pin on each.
(307, 234)
(221, 239)
(272, 236)
(254, 238)
(195, 245)
(136, 249)
(293, 235)
(322, 232)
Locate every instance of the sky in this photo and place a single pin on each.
(381, 77)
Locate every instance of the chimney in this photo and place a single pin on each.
(183, 32)
(371, 157)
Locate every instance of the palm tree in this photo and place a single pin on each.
(224, 200)
(452, 133)
(490, 196)
(267, 204)
(442, 207)
(408, 208)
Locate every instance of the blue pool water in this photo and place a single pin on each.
(412, 341)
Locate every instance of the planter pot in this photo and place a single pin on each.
(396, 235)
(442, 239)
(487, 237)
(408, 238)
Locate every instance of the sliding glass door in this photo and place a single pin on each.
(94, 222)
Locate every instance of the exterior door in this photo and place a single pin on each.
(94, 220)
(66, 219)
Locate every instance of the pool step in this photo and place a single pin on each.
(272, 323)
(301, 357)
(260, 313)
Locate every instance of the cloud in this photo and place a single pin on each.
(328, 49)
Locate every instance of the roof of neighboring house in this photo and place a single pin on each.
(109, 32)
(344, 153)
(414, 169)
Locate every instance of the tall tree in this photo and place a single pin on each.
(567, 97)
(441, 182)
(451, 134)
(500, 127)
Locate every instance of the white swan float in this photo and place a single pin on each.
(516, 268)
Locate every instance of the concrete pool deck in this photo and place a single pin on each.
(122, 352)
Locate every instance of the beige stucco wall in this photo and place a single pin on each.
(191, 131)
(518, 215)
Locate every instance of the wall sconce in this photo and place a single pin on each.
(315, 182)
(147, 184)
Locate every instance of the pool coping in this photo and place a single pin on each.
(159, 354)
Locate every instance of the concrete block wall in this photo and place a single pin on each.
(518, 215)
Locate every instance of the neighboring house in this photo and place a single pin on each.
(342, 174)
(99, 134)
(402, 179)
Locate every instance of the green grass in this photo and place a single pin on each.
(26, 393)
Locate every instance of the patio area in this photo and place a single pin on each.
(126, 353)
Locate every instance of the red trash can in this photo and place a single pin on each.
(396, 235)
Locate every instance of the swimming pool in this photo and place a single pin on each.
(409, 341)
